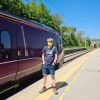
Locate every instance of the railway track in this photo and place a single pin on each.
(71, 56)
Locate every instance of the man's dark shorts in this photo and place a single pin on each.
(48, 69)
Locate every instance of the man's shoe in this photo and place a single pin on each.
(55, 90)
(42, 90)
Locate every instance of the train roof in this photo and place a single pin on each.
(40, 25)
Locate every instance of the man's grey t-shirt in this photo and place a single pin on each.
(49, 54)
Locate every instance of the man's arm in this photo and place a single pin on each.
(43, 54)
(43, 58)
(56, 56)
(55, 60)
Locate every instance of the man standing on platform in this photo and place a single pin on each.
(49, 58)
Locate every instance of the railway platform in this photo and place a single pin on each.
(76, 80)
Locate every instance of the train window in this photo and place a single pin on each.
(5, 46)
(35, 40)
(5, 39)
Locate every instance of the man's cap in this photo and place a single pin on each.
(50, 40)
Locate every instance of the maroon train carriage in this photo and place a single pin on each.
(21, 44)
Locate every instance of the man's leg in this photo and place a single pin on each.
(52, 73)
(44, 84)
(54, 84)
(44, 80)
(45, 73)
(53, 80)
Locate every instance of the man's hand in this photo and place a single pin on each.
(43, 62)
(53, 64)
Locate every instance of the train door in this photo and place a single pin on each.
(8, 51)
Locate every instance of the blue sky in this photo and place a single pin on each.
(82, 14)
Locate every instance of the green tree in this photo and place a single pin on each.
(43, 13)
(13, 6)
(79, 38)
(88, 42)
(31, 11)
(68, 29)
(73, 40)
(56, 22)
